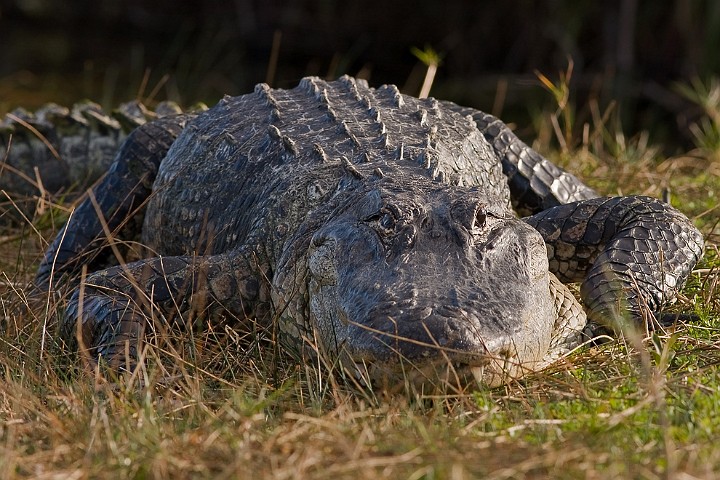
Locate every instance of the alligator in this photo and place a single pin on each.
(371, 228)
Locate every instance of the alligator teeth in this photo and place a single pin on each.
(361, 374)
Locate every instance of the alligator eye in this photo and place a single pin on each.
(387, 221)
(480, 218)
(384, 219)
(469, 214)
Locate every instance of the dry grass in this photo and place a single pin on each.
(606, 411)
(222, 404)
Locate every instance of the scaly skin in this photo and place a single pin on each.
(376, 226)
(652, 251)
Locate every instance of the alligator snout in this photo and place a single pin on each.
(442, 346)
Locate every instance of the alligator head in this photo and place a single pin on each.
(421, 279)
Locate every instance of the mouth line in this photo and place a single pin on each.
(486, 373)
(430, 353)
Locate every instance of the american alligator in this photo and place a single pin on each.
(370, 227)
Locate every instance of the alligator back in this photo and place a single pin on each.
(279, 153)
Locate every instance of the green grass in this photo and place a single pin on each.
(206, 408)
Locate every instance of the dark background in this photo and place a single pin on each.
(629, 51)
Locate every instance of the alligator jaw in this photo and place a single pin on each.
(441, 374)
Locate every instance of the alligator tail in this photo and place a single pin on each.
(56, 150)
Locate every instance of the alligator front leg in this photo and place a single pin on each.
(116, 199)
(632, 254)
(108, 316)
